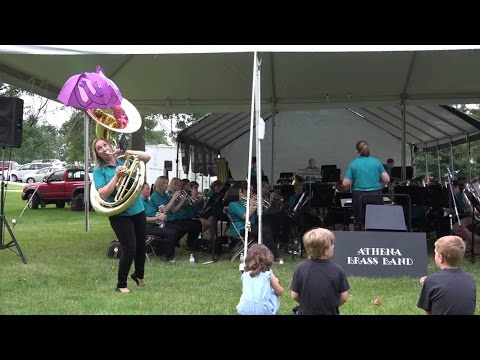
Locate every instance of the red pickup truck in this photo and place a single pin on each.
(57, 188)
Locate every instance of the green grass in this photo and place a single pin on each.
(68, 273)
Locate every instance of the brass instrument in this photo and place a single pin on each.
(471, 198)
(265, 203)
(275, 199)
(184, 195)
(130, 184)
(161, 210)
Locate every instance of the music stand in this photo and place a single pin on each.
(330, 173)
(4, 222)
(297, 213)
(396, 172)
(310, 176)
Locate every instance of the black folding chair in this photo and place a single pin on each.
(238, 248)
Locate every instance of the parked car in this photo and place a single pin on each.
(38, 175)
(6, 168)
(59, 187)
(17, 174)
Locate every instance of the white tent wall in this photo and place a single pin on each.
(327, 135)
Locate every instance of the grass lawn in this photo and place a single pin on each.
(68, 273)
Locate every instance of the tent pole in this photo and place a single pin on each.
(404, 135)
(451, 159)
(176, 160)
(259, 137)
(438, 160)
(469, 160)
(426, 161)
(273, 144)
(86, 179)
(250, 152)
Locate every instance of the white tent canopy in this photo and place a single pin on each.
(330, 135)
(203, 79)
(172, 80)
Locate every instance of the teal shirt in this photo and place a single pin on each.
(291, 200)
(150, 209)
(102, 176)
(237, 210)
(365, 172)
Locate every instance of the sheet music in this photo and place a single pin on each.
(310, 175)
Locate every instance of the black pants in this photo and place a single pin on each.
(192, 227)
(170, 236)
(267, 237)
(131, 231)
(280, 224)
(360, 200)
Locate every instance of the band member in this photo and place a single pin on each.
(130, 225)
(367, 176)
(238, 212)
(308, 221)
(312, 164)
(168, 233)
(180, 216)
(273, 216)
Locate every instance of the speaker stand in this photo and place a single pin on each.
(4, 224)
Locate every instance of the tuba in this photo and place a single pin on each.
(123, 119)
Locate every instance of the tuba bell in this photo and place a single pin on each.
(124, 119)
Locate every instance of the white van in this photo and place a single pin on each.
(17, 175)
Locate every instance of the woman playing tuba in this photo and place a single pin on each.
(116, 180)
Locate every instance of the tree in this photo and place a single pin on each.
(463, 161)
(72, 133)
(40, 141)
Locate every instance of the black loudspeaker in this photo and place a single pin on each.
(167, 165)
(11, 122)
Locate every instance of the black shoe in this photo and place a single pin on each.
(137, 280)
(134, 278)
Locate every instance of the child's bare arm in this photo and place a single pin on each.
(276, 285)
(343, 298)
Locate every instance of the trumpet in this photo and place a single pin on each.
(265, 203)
(275, 198)
(161, 210)
(190, 199)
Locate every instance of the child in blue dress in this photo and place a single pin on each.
(261, 289)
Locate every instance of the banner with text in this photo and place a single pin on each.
(381, 253)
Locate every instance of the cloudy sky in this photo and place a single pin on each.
(51, 111)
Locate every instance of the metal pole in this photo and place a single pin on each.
(176, 160)
(438, 163)
(469, 160)
(86, 179)
(451, 158)
(404, 135)
(250, 152)
(259, 155)
(426, 162)
(273, 144)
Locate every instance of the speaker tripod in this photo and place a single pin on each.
(4, 224)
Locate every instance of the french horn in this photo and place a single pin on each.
(129, 185)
